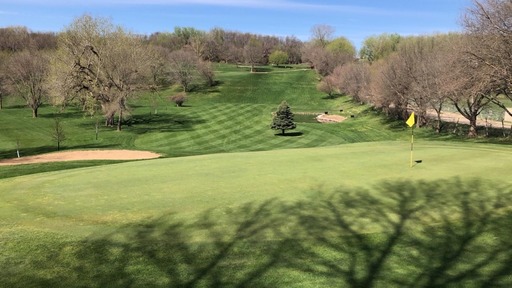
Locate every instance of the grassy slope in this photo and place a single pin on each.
(227, 219)
(233, 116)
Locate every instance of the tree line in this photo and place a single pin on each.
(468, 71)
(98, 65)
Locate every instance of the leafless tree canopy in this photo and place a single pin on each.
(321, 34)
(489, 27)
(100, 64)
(26, 74)
(353, 79)
(183, 68)
(254, 52)
(468, 71)
(324, 53)
(17, 38)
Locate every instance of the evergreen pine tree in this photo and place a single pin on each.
(283, 118)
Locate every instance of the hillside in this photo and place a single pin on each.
(247, 207)
(232, 116)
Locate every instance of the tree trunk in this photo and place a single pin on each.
(472, 128)
(96, 129)
(282, 131)
(109, 120)
(422, 119)
(119, 122)
(34, 112)
(439, 123)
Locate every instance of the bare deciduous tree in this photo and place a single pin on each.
(328, 86)
(100, 64)
(412, 77)
(3, 78)
(183, 68)
(205, 70)
(16, 38)
(470, 85)
(488, 24)
(293, 47)
(213, 43)
(58, 133)
(433, 63)
(391, 84)
(26, 73)
(321, 34)
(253, 52)
(322, 60)
(353, 79)
(197, 43)
(415, 53)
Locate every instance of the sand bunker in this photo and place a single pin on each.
(328, 118)
(81, 155)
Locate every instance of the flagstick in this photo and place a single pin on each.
(412, 142)
(410, 122)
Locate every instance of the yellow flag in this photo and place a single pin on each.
(410, 122)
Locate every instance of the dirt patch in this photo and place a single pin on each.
(326, 118)
(81, 155)
(458, 118)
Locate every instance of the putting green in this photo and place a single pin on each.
(76, 200)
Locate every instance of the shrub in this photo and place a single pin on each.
(179, 99)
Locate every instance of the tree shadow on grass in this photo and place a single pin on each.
(165, 252)
(333, 96)
(205, 88)
(262, 69)
(450, 233)
(69, 113)
(16, 107)
(424, 234)
(289, 134)
(161, 122)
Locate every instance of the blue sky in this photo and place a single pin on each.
(354, 19)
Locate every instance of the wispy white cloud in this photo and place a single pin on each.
(263, 4)
(259, 4)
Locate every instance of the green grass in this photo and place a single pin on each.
(222, 180)
(233, 116)
(137, 221)
(327, 205)
(19, 170)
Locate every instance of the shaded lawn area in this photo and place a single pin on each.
(403, 234)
